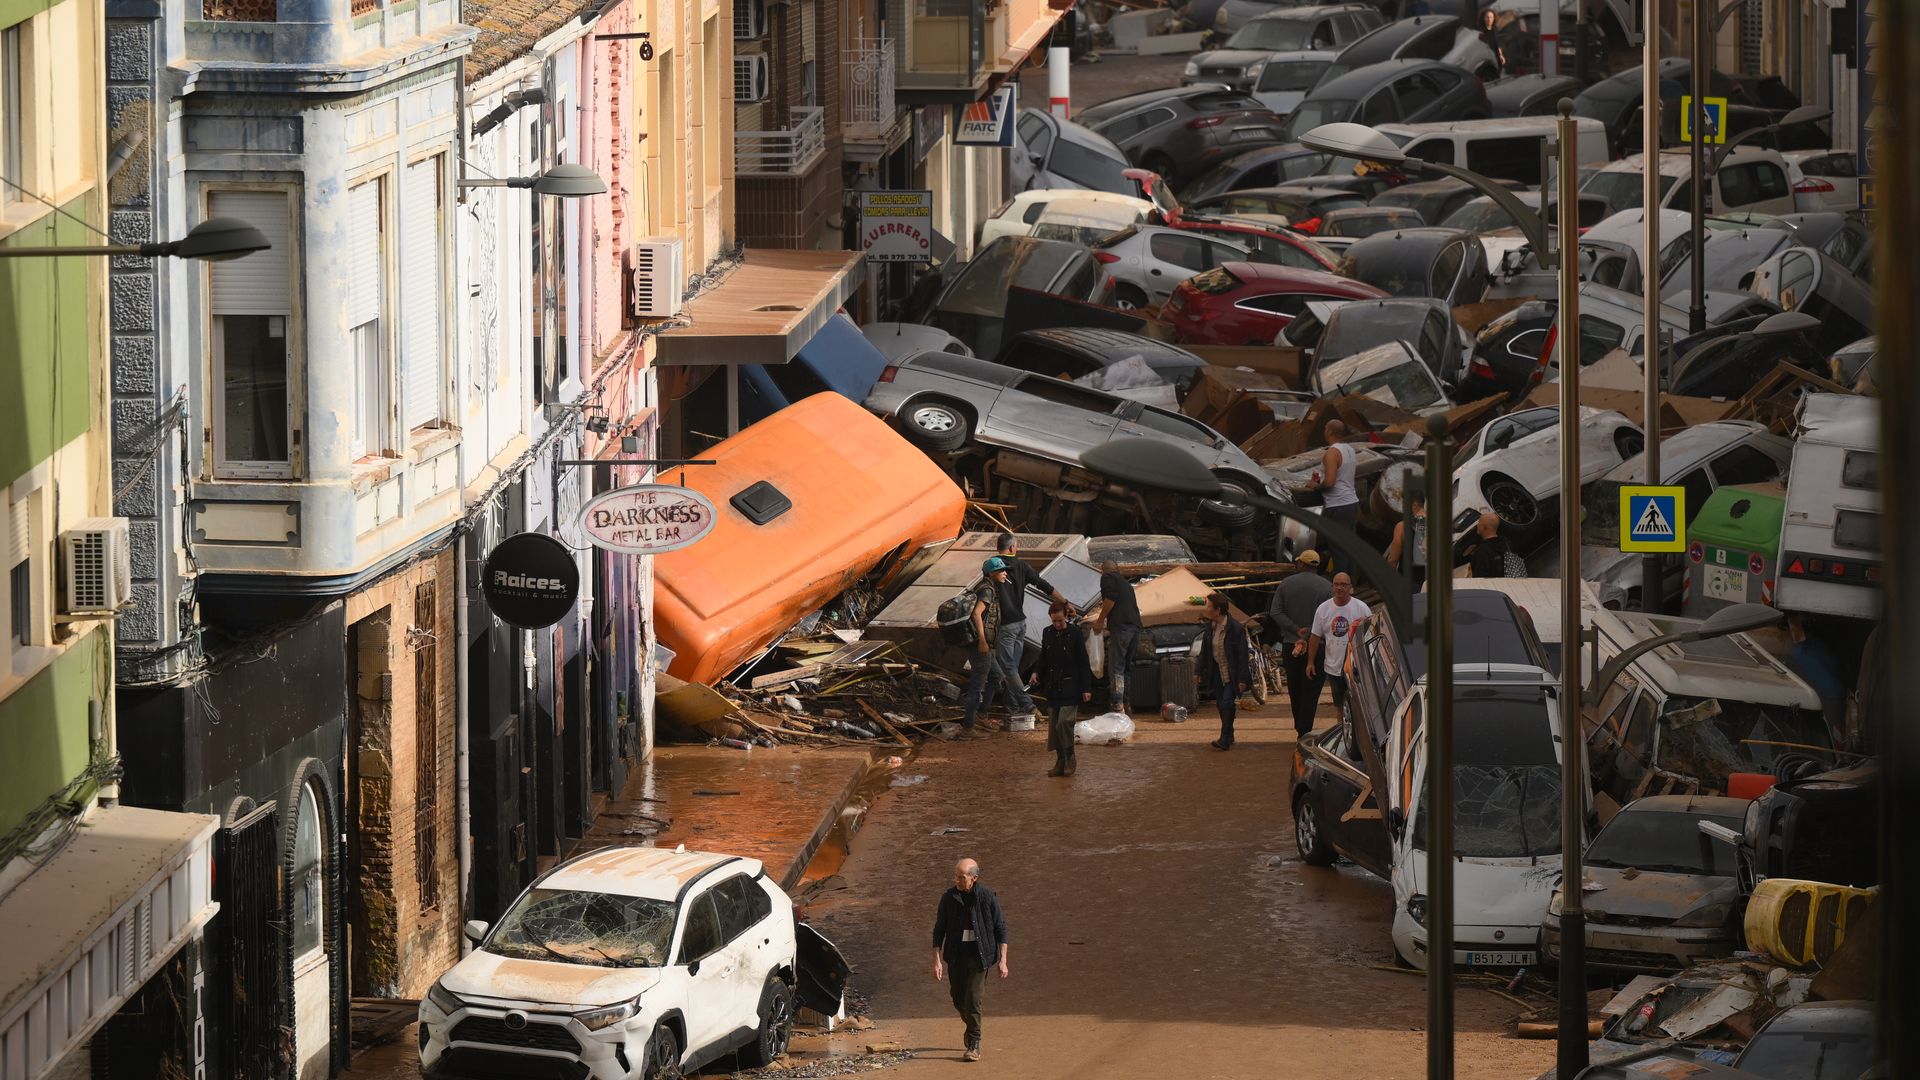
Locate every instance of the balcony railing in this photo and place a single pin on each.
(870, 108)
(789, 152)
(957, 44)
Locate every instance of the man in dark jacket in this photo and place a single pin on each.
(1065, 675)
(969, 936)
(1291, 617)
(1224, 670)
(1011, 641)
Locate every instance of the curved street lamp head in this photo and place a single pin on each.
(1354, 141)
(1805, 114)
(1148, 464)
(217, 239)
(569, 181)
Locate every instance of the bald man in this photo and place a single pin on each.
(1334, 627)
(969, 936)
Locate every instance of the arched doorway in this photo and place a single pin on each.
(308, 873)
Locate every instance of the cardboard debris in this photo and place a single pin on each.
(1168, 599)
(1471, 317)
(695, 709)
(1289, 365)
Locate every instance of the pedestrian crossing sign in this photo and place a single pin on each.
(1653, 519)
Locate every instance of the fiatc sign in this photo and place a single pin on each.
(897, 226)
(987, 122)
(647, 519)
(530, 580)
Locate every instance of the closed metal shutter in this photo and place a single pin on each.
(420, 303)
(260, 283)
(363, 254)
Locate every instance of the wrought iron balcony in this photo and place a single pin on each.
(870, 109)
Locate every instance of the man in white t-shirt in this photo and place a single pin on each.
(1334, 628)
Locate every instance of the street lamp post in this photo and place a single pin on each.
(213, 240)
(566, 180)
(1650, 268)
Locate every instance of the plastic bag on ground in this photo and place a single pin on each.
(1110, 727)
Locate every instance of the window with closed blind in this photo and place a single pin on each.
(422, 354)
(251, 302)
(366, 318)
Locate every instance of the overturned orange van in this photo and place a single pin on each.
(810, 500)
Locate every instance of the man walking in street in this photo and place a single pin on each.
(1224, 669)
(1338, 500)
(1119, 619)
(969, 936)
(1291, 612)
(1065, 675)
(1334, 627)
(985, 673)
(1011, 641)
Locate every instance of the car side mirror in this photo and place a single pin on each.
(693, 967)
(475, 930)
(1038, 161)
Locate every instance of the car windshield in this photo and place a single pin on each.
(1272, 35)
(1359, 327)
(1664, 840)
(1364, 225)
(981, 288)
(1709, 738)
(1622, 189)
(1506, 783)
(1088, 167)
(1389, 373)
(1481, 215)
(1314, 112)
(1808, 1055)
(595, 928)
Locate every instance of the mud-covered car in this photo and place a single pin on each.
(627, 962)
(1511, 467)
(1660, 892)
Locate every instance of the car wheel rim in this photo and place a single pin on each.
(936, 420)
(779, 1027)
(1512, 505)
(662, 1064)
(1303, 833)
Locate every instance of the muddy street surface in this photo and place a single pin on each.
(1160, 923)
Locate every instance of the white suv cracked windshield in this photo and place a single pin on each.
(586, 928)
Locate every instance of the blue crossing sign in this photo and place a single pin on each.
(1653, 518)
(1714, 122)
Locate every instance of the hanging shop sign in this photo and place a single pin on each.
(647, 519)
(987, 122)
(896, 226)
(530, 580)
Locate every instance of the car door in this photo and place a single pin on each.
(1052, 418)
(1172, 257)
(1379, 107)
(708, 1009)
(1141, 421)
(1344, 802)
(744, 909)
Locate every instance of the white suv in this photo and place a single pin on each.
(628, 962)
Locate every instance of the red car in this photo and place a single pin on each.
(1240, 303)
(1271, 243)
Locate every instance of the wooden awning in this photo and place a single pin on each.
(764, 310)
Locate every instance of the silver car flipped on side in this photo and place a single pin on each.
(941, 402)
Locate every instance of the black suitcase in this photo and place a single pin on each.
(1176, 682)
(1143, 686)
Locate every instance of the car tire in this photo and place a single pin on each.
(1308, 837)
(1512, 502)
(1128, 298)
(1229, 515)
(936, 425)
(663, 1055)
(1629, 443)
(776, 1025)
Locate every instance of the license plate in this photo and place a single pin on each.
(1511, 958)
(1248, 134)
(1726, 583)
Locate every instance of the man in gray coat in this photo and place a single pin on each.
(1290, 614)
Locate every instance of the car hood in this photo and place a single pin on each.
(1652, 894)
(486, 974)
(1239, 58)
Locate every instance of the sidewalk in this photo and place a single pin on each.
(776, 804)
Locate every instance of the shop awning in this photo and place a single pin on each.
(764, 310)
(93, 923)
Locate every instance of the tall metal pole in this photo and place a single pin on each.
(1439, 794)
(1571, 1055)
(1697, 150)
(1650, 268)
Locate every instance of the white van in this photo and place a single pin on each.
(1830, 538)
(1506, 148)
(1506, 815)
(1751, 180)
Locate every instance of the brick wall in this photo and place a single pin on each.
(404, 696)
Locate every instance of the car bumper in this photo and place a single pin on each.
(1473, 946)
(1655, 948)
(475, 1043)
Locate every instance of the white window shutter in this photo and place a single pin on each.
(363, 254)
(420, 304)
(259, 283)
(19, 532)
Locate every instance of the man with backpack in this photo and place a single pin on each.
(985, 619)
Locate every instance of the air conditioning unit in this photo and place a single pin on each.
(97, 567)
(749, 19)
(749, 78)
(659, 278)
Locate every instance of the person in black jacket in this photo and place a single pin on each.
(969, 936)
(1224, 669)
(1065, 675)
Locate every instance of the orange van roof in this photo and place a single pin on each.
(859, 490)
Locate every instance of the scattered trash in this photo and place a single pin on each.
(896, 761)
(737, 744)
(1020, 723)
(792, 703)
(1173, 714)
(1109, 728)
(948, 730)
(709, 792)
(907, 781)
(948, 831)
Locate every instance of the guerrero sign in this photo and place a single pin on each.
(897, 226)
(647, 519)
(530, 580)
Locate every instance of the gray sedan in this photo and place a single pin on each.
(942, 401)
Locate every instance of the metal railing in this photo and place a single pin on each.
(789, 152)
(869, 102)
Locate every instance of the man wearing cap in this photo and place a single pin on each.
(1291, 614)
(985, 672)
(1013, 619)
